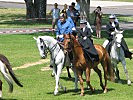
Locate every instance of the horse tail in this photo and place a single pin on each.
(6, 76)
(110, 69)
(5, 61)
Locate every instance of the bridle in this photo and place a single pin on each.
(70, 43)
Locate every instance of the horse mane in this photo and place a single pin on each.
(74, 40)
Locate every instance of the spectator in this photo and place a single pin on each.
(77, 6)
(98, 21)
(73, 13)
(65, 9)
(55, 15)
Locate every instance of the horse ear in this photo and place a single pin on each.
(34, 38)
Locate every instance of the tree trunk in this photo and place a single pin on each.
(42, 9)
(85, 9)
(29, 9)
(36, 9)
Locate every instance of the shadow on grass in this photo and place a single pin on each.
(77, 92)
(70, 79)
(123, 82)
(34, 22)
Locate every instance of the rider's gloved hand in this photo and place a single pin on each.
(57, 36)
(84, 38)
(112, 33)
(61, 36)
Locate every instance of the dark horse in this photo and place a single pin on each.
(4, 63)
(81, 64)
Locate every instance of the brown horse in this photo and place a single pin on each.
(81, 64)
(4, 64)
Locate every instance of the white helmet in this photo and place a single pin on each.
(112, 16)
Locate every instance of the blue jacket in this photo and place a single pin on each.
(62, 29)
(71, 21)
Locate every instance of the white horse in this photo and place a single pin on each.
(117, 54)
(4, 65)
(57, 60)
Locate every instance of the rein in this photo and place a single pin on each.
(53, 48)
(70, 41)
(50, 49)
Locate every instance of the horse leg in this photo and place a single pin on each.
(88, 70)
(56, 79)
(98, 71)
(57, 76)
(105, 75)
(79, 72)
(116, 71)
(76, 78)
(68, 72)
(126, 72)
(0, 88)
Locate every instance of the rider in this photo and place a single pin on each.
(110, 28)
(63, 27)
(84, 38)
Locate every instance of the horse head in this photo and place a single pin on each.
(42, 47)
(118, 36)
(68, 42)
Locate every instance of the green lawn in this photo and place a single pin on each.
(38, 85)
(8, 18)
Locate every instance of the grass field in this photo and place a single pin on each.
(39, 85)
(21, 49)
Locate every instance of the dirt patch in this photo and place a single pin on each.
(45, 68)
(31, 64)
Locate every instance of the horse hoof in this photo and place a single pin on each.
(81, 94)
(65, 89)
(129, 82)
(52, 74)
(93, 90)
(76, 90)
(55, 93)
(105, 91)
(0, 94)
(119, 81)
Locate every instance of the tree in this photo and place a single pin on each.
(36, 9)
(85, 9)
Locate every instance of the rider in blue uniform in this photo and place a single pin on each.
(63, 27)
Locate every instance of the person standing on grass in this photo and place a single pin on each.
(64, 10)
(55, 15)
(98, 21)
